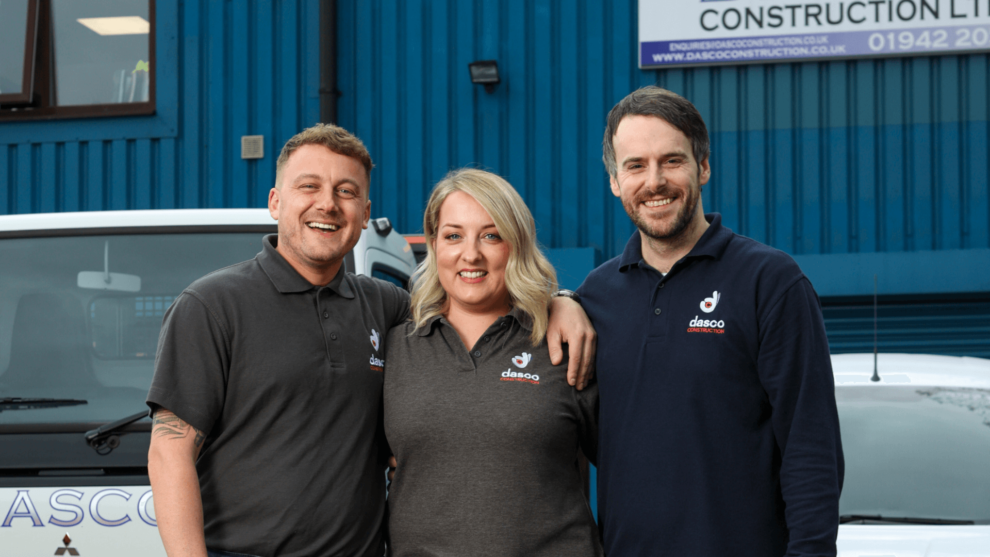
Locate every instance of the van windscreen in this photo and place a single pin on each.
(80, 316)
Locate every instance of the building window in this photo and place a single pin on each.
(76, 58)
(17, 38)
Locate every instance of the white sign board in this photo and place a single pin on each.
(694, 32)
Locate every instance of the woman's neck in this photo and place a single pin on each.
(471, 324)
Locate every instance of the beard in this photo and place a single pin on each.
(661, 230)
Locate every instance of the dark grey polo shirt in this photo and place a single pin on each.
(285, 380)
(486, 442)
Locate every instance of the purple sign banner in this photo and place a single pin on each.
(814, 45)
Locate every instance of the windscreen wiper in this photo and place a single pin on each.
(18, 403)
(104, 439)
(877, 519)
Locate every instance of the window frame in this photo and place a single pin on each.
(27, 65)
(40, 104)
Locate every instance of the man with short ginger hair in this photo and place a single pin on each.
(719, 433)
(267, 431)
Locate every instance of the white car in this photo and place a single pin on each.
(917, 451)
(82, 297)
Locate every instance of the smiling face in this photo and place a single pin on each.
(321, 208)
(657, 178)
(471, 257)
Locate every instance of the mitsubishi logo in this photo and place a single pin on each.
(63, 550)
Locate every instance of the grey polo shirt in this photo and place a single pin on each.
(285, 380)
(486, 442)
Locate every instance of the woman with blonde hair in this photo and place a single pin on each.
(484, 429)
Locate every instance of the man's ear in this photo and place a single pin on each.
(615, 186)
(273, 203)
(704, 172)
(367, 214)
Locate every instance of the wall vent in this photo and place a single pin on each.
(252, 146)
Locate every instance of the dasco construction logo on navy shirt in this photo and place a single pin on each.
(716, 326)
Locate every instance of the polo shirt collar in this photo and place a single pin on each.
(521, 317)
(427, 328)
(287, 280)
(517, 314)
(711, 244)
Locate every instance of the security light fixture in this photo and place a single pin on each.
(125, 25)
(485, 72)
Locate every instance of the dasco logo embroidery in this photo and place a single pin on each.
(522, 361)
(716, 326)
(377, 364)
(509, 375)
(708, 304)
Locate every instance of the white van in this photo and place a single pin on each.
(82, 296)
(916, 438)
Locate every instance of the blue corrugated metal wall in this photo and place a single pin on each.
(848, 157)
(225, 69)
(847, 165)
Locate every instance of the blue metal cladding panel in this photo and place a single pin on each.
(225, 69)
(859, 156)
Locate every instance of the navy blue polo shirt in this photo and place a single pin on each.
(718, 428)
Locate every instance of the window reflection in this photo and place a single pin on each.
(916, 451)
(101, 51)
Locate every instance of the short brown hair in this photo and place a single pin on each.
(660, 103)
(335, 138)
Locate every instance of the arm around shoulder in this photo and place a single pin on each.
(570, 324)
(402, 310)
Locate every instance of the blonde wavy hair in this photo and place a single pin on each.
(529, 277)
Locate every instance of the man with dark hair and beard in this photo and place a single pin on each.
(718, 428)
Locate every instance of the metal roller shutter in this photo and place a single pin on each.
(957, 327)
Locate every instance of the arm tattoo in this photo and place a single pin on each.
(168, 425)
